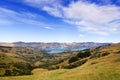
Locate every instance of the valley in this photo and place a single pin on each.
(98, 63)
(59, 39)
(54, 47)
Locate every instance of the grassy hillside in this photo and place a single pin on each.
(103, 63)
(20, 61)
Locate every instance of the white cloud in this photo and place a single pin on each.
(53, 11)
(53, 7)
(18, 16)
(90, 17)
(91, 12)
(50, 28)
(4, 10)
(36, 2)
(87, 17)
(42, 3)
(81, 35)
(10, 17)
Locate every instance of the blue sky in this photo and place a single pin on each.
(60, 20)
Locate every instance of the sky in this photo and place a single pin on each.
(60, 20)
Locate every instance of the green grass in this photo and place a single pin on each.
(104, 68)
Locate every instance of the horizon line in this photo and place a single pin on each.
(55, 42)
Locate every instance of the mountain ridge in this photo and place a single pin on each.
(41, 45)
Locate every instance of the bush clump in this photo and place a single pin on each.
(73, 59)
(76, 64)
(84, 54)
(99, 54)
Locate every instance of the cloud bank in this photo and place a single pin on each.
(86, 16)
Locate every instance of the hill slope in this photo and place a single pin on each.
(19, 61)
(102, 64)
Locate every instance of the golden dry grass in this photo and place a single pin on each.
(100, 68)
(104, 68)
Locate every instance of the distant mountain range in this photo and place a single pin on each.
(60, 47)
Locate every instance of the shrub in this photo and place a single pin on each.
(76, 64)
(99, 54)
(83, 54)
(73, 59)
(23, 68)
(93, 63)
(105, 53)
(8, 72)
(118, 52)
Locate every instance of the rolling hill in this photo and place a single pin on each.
(21, 61)
(101, 63)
